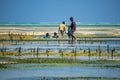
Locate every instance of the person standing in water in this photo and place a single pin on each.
(62, 29)
(69, 32)
(73, 28)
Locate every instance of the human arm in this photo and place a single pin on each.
(59, 30)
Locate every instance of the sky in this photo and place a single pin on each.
(35, 11)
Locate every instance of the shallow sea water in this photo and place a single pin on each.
(59, 72)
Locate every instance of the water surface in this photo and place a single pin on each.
(52, 71)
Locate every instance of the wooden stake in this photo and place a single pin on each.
(19, 51)
(112, 53)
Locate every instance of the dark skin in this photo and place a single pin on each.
(73, 29)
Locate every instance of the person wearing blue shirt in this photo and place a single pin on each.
(47, 36)
(69, 32)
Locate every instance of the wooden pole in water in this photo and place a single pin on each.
(75, 52)
(19, 51)
(37, 52)
(84, 51)
(34, 51)
(30, 49)
(99, 52)
(89, 53)
(47, 52)
(96, 51)
(59, 50)
(112, 53)
(99, 49)
(108, 50)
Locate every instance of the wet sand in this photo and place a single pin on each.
(43, 30)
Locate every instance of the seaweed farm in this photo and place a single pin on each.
(31, 57)
(84, 48)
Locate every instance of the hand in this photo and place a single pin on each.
(73, 30)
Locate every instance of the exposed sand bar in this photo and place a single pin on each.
(43, 30)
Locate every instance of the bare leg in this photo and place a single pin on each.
(62, 33)
(73, 37)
